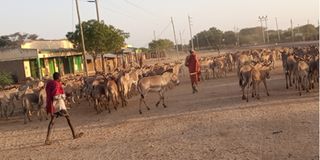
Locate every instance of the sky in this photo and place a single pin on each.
(52, 19)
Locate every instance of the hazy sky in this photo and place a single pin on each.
(52, 19)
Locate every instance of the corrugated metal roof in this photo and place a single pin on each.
(47, 44)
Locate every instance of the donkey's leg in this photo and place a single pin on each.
(157, 104)
(142, 100)
(164, 105)
(13, 108)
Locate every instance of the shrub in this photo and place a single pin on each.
(5, 79)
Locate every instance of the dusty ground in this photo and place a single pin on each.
(212, 124)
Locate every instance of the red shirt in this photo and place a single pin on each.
(193, 63)
(53, 88)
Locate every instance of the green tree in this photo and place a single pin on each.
(211, 38)
(308, 31)
(99, 38)
(161, 45)
(251, 35)
(215, 37)
(317, 33)
(273, 36)
(15, 39)
(229, 38)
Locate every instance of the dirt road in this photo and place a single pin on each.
(212, 124)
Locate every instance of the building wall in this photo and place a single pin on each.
(17, 54)
(15, 68)
(109, 63)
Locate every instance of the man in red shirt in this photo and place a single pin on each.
(56, 106)
(192, 63)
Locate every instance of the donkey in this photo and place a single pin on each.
(260, 73)
(158, 83)
(245, 80)
(7, 98)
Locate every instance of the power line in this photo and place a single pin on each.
(118, 12)
(138, 7)
(123, 12)
(165, 28)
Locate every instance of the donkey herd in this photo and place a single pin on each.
(300, 66)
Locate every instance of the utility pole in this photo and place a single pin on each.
(235, 34)
(154, 35)
(278, 30)
(181, 41)
(155, 38)
(189, 19)
(175, 37)
(238, 37)
(292, 34)
(197, 42)
(97, 10)
(266, 22)
(82, 41)
(98, 19)
(261, 19)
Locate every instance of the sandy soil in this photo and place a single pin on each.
(212, 124)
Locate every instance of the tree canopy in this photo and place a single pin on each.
(15, 39)
(99, 37)
(161, 45)
(211, 38)
(214, 38)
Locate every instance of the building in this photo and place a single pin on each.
(41, 58)
(110, 63)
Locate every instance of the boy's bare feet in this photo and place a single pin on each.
(47, 142)
(78, 135)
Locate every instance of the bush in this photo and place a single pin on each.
(5, 79)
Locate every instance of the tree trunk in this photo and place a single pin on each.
(102, 64)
